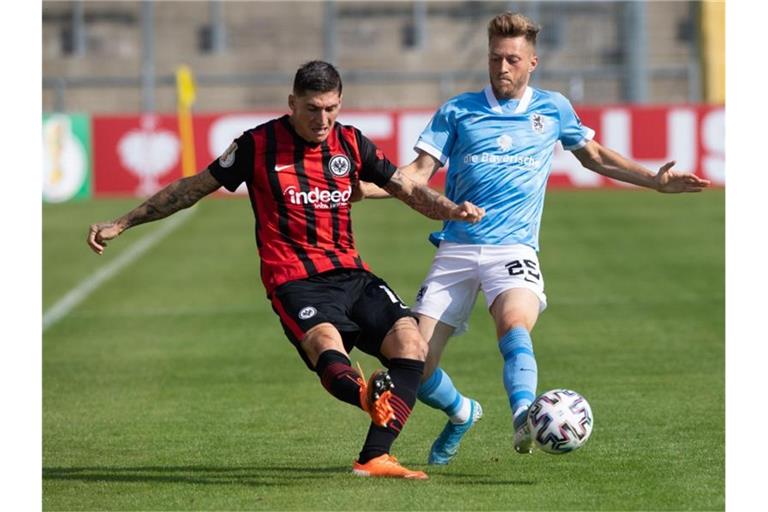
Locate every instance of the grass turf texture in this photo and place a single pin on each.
(172, 387)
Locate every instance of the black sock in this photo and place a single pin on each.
(406, 374)
(338, 377)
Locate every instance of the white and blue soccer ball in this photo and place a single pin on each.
(560, 421)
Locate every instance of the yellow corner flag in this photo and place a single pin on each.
(185, 91)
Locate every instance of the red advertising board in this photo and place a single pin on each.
(136, 155)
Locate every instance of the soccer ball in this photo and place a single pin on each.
(560, 421)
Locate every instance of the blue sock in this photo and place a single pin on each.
(439, 392)
(520, 371)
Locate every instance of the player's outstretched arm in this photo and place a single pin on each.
(609, 163)
(180, 194)
(420, 170)
(429, 202)
(367, 190)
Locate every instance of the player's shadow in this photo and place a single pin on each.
(261, 476)
(475, 479)
(257, 476)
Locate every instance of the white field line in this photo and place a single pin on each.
(80, 292)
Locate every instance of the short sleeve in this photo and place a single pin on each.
(235, 165)
(375, 168)
(438, 137)
(573, 134)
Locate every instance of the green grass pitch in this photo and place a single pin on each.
(172, 386)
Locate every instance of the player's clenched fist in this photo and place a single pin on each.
(98, 234)
(468, 212)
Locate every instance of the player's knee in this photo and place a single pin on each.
(320, 338)
(518, 307)
(405, 341)
(513, 317)
(418, 348)
(507, 323)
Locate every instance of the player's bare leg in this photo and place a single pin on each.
(437, 334)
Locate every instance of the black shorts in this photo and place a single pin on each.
(360, 305)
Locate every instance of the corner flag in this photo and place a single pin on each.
(185, 92)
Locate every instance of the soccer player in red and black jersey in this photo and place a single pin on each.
(301, 171)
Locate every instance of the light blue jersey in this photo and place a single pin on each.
(500, 156)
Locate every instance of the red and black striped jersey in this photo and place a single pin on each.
(300, 194)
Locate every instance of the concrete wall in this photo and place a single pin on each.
(276, 37)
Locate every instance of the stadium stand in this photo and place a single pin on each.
(581, 47)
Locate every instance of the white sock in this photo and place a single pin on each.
(462, 415)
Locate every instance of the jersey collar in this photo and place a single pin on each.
(522, 105)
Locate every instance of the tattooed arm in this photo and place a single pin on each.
(180, 194)
(420, 170)
(430, 203)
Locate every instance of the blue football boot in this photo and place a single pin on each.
(447, 443)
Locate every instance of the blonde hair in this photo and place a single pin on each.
(512, 24)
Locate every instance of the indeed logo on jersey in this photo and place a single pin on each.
(490, 158)
(322, 199)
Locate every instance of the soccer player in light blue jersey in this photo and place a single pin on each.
(499, 144)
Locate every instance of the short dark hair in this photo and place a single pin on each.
(316, 75)
(511, 24)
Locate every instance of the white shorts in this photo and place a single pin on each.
(459, 271)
